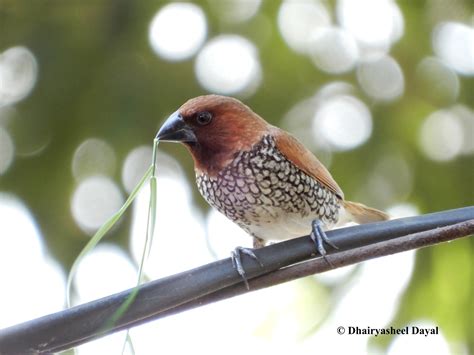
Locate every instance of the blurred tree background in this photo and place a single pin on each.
(381, 91)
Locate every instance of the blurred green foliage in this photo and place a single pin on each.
(98, 77)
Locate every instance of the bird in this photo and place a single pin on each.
(260, 176)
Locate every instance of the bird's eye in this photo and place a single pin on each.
(203, 118)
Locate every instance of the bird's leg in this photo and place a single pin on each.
(236, 256)
(319, 237)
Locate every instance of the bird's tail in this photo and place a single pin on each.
(362, 214)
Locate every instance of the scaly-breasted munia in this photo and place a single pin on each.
(258, 175)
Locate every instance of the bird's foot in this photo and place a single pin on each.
(319, 237)
(236, 256)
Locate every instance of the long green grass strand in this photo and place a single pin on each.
(150, 229)
(101, 232)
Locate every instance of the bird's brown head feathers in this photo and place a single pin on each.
(214, 128)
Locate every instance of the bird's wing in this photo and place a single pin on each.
(299, 155)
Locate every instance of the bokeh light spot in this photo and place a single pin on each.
(301, 116)
(375, 24)
(344, 122)
(17, 230)
(334, 50)
(465, 117)
(18, 74)
(93, 157)
(7, 151)
(139, 160)
(332, 89)
(135, 165)
(441, 136)
(229, 64)
(26, 268)
(298, 20)
(95, 200)
(402, 210)
(381, 78)
(177, 31)
(104, 271)
(390, 179)
(32, 135)
(298, 119)
(235, 11)
(438, 82)
(454, 43)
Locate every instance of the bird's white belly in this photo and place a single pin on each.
(282, 226)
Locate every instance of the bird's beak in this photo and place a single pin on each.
(176, 130)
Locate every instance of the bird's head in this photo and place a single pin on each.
(214, 128)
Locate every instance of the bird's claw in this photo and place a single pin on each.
(319, 237)
(236, 256)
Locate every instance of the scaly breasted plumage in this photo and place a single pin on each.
(256, 174)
